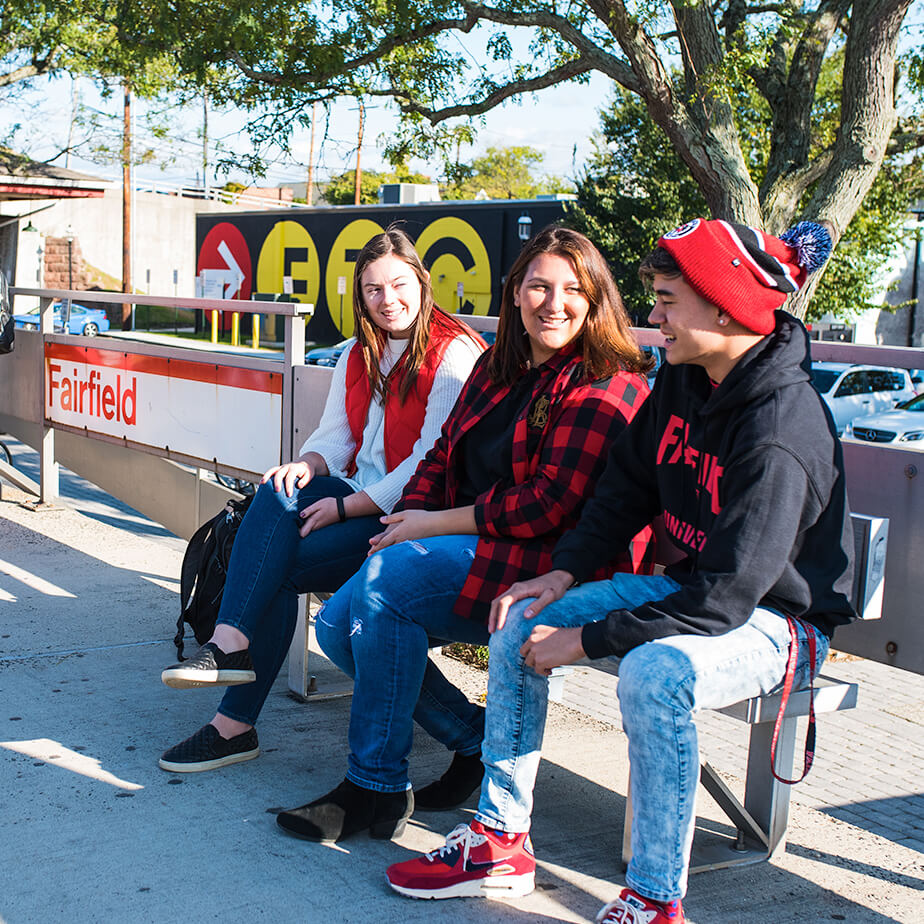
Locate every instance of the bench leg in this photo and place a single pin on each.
(761, 822)
(303, 684)
(299, 679)
(765, 798)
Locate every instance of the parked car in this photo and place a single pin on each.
(903, 426)
(326, 356)
(86, 321)
(856, 391)
(657, 353)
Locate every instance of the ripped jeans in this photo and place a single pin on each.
(662, 685)
(377, 628)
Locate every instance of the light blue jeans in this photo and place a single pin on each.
(377, 628)
(662, 685)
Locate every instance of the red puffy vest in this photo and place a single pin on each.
(403, 422)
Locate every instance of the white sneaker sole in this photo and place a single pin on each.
(204, 765)
(181, 678)
(498, 887)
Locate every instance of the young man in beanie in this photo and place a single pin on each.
(737, 452)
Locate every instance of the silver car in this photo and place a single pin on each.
(903, 426)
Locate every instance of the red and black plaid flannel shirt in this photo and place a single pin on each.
(518, 525)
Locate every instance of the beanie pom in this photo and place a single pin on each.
(811, 242)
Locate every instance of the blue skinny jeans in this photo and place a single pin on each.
(662, 685)
(377, 628)
(270, 566)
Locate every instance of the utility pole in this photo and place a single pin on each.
(309, 189)
(70, 128)
(359, 148)
(127, 203)
(205, 145)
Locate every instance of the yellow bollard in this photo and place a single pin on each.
(215, 326)
(255, 330)
(235, 328)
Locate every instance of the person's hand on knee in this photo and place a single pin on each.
(289, 476)
(546, 589)
(316, 516)
(548, 647)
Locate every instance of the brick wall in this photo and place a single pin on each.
(55, 274)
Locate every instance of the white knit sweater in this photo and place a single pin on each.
(333, 441)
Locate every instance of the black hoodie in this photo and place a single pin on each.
(750, 479)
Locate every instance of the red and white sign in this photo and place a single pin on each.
(199, 409)
(225, 250)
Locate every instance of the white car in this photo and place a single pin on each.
(856, 391)
(903, 426)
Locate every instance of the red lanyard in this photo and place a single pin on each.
(787, 689)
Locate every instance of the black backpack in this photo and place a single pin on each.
(7, 329)
(205, 566)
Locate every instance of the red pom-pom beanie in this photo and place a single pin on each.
(743, 271)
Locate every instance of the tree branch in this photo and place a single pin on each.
(389, 44)
(791, 106)
(38, 67)
(588, 48)
(903, 141)
(567, 71)
(868, 115)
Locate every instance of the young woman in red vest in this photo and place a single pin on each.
(515, 462)
(309, 526)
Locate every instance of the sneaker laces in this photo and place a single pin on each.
(460, 836)
(621, 912)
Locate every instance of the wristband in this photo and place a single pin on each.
(341, 512)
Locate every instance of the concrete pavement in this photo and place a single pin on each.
(94, 831)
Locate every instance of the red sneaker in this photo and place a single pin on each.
(475, 860)
(631, 908)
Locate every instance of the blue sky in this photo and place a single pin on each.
(572, 111)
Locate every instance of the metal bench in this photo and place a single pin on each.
(761, 819)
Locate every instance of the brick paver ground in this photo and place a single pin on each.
(869, 768)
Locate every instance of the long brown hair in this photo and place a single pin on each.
(606, 340)
(370, 336)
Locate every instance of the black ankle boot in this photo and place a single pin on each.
(347, 810)
(454, 787)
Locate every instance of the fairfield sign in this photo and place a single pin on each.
(99, 394)
(201, 409)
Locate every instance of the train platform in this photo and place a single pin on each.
(94, 831)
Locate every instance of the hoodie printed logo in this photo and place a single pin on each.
(676, 450)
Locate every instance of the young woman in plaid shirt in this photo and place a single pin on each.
(517, 457)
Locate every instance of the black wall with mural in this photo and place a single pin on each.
(468, 248)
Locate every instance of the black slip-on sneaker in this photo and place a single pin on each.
(207, 750)
(211, 667)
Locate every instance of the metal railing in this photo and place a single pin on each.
(883, 481)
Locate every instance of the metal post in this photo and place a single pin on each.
(127, 310)
(294, 346)
(48, 468)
